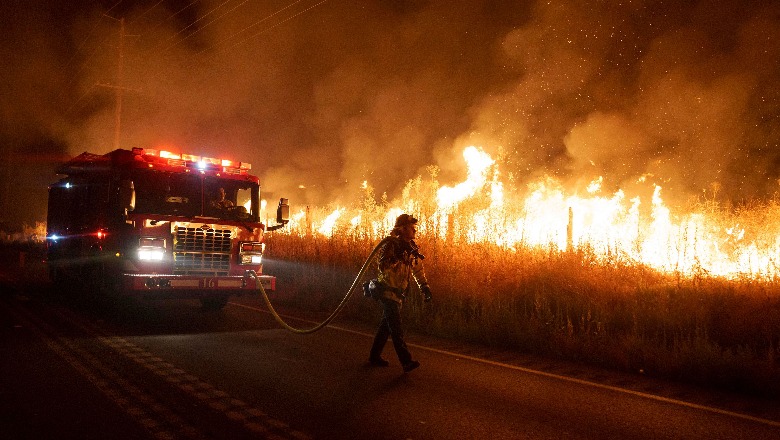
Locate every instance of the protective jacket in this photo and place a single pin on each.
(398, 263)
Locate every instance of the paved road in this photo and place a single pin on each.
(170, 370)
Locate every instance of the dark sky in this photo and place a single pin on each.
(328, 94)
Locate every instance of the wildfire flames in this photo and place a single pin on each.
(614, 227)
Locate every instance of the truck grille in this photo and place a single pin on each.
(198, 251)
(198, 263)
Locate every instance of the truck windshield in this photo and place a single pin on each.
(229, 199)
(190, 195)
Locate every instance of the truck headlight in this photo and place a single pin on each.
(251, 252)
(151, 249)
(251, 259)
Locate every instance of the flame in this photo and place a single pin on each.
(478, 164)
(546, 216)
(595, 186)
(329, 224)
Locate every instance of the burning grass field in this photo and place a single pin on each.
(621, 279)
(573, 305)
(710, 331)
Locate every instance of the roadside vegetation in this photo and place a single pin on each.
(567, 305)
(572, 305)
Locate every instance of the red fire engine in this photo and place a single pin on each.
(158, 225)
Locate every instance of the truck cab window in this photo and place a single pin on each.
(227, 199)
(167, 193)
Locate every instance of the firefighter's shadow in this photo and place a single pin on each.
(379, 388)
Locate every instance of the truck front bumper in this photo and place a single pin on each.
(191, 285)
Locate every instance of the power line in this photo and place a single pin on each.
(206, 25)
(268, 17)
(279, 23)
(89, 34)
(224, 67)
(84, 95)
(192, 62)
(219, 43)
(196, 21)
(118, 89)
(144, 13)
(222, 45)
(172, 16)
(80, 46)
(76, 76)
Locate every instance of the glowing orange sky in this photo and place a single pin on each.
(321, 96)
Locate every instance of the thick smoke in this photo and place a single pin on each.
(321, 96)
(686, 94)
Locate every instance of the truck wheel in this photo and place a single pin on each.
(60, 285)
(214, 302)
(57, 275)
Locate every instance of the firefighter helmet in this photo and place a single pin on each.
(404, 219)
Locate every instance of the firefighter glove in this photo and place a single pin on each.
(426, 291)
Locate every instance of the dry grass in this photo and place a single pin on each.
(717, 332)
(574, 305)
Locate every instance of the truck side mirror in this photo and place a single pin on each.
(282, 215)
(283, 212)
(127, 195)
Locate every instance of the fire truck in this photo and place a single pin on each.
(156, 224)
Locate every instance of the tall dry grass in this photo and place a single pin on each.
(569, 305)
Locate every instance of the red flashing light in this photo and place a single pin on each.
(168, 155)
(185, 160)
(252, 247)
(101, 235)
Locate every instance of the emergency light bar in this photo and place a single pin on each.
(168, 155)
(191, 160)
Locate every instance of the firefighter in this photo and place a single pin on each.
(220, 202)
(399, 261)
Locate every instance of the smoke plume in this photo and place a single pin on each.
(321, 96)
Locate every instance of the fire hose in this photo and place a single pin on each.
(338, 309)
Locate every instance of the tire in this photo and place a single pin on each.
(217, 302)
(59, 283)
(57, 275)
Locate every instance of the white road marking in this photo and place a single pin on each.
(546, 374)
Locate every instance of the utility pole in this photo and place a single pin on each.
(118, 86)
(118, 89)
(570, 231)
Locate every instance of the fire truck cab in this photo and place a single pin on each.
(156, 224)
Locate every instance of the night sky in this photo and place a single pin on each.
(327, 94)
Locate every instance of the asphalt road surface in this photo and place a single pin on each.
(168, 370)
